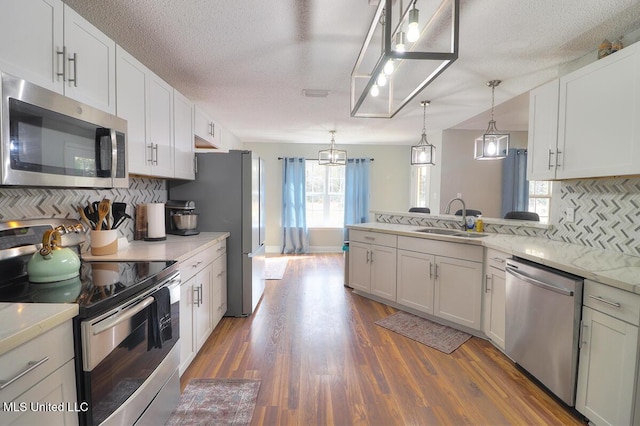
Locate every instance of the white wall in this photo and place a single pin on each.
(390, 185)
(479, 182)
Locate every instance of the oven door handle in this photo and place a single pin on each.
(530, 280)
(122, 316)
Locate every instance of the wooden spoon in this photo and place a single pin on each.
(103, 211)
(84, 217)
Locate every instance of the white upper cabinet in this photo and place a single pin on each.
(90, 63)
(543, 131)
(207, 132)
(598, 117)
(595, 110)
(34, 57)
(60, 51)
(146, 102)
(183, 137)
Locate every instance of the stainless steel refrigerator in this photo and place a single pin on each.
(229, 195)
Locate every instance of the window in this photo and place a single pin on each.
(325, 195)
(419, 186)
(540, 199)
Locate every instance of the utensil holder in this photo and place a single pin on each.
(104, 242)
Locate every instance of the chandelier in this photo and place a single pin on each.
(393, 66)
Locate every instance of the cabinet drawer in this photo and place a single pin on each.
(496, 258)
(368, 237)
(219, 249)
(461, 251)
(192, 266)
(612, 301)
(55, 344)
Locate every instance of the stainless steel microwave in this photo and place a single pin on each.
(48, 139)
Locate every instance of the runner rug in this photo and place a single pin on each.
(440, 337)
(216, 402)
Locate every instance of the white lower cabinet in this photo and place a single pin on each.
(495, 297)
(608, 366)
(372, 263)
(458, 291)
(49, 379)
(203, 299)
(415, 280)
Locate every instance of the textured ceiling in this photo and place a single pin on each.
(247, 61)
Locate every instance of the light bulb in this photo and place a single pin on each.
(491, 148)
(413, 32)
(388, 67)
(381, 80)
(400, 42)
(422, 157)
(374, 90)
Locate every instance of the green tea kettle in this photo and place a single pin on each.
(53, 263)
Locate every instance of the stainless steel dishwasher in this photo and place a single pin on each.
(543, 309)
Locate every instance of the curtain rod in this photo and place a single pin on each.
(315, 159)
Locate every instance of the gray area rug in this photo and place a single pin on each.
(438, 336)
(216, 402)
(275, 267)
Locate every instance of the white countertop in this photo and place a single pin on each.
(611, 268)
(21, 322)
(175, 247)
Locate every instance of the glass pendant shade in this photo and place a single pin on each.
(492, 145)
(332, 156)
(423, 154)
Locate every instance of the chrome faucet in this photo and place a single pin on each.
(464, 211)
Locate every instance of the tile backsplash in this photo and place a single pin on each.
(38, 202)
(607, 216)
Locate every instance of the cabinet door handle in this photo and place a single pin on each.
(549, 165)
(212, 129)
(436, 271)
(498, 259)
(487, 289)
(603, 300)
(558, 152)
(370, 238)
(583, 333)
(31, 365)
(196, 297)
(367, 256)
(430, 270)
(372, 256)
(74, 59)
(62, 74)
(155, 152)
(195, 265)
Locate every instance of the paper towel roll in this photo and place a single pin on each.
(155, 221)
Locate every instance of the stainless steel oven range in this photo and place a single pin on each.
(125, 334)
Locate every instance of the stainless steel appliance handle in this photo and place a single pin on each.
(114, 153)
(31, 365)
(122, 316)
(538, 283)
(603, 300)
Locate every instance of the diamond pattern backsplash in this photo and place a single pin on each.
(32, 202)
(607, 216)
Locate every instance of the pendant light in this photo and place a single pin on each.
(424, 153)
(332, 156)
(493, 144)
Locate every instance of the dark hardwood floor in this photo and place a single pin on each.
(323, 361)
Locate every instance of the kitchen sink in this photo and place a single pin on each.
(451, 232)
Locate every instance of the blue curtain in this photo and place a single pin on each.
(294, 216)
(515, 186)
(356, 193)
